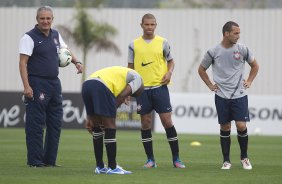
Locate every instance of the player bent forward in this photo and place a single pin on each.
(103, 92)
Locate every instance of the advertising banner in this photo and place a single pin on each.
(196, 114)
(12, 112)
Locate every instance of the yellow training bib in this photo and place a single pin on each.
(149, 60)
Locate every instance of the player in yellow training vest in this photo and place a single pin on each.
(103, 92)
(150, 56)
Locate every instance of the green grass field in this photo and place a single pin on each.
(202, 163)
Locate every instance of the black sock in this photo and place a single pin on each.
(173, 142)
(98, 144)
(242, 137)
(147, 141)
(111, 146)
(225, 143)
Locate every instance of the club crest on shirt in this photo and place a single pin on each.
(236, 55)
(139, 107)
(56, 41)
(41, 96)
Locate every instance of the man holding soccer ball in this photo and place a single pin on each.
(39, 71)
(228, 60)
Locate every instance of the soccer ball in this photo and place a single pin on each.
(65, 57)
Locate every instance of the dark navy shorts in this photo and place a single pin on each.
(154, 99)
(98, 99)
(232, 109)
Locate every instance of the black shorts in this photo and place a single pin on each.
(154, 99)
(98, 99)
(232, 109)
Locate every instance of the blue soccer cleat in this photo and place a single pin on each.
(125, 171)
(118, 170)
(99, 170)
(178, 164)
(150, 164)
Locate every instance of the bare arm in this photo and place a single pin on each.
(28, 92)
(204, 76)
(167, 76)
(128, 99)
(123, 95)
(130, 65)
(253, 72)
(77, 64)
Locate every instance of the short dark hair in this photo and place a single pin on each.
(228, 26)
(148, 16)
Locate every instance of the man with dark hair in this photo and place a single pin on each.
(228, 26)
(228, 63)
(150, 56)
